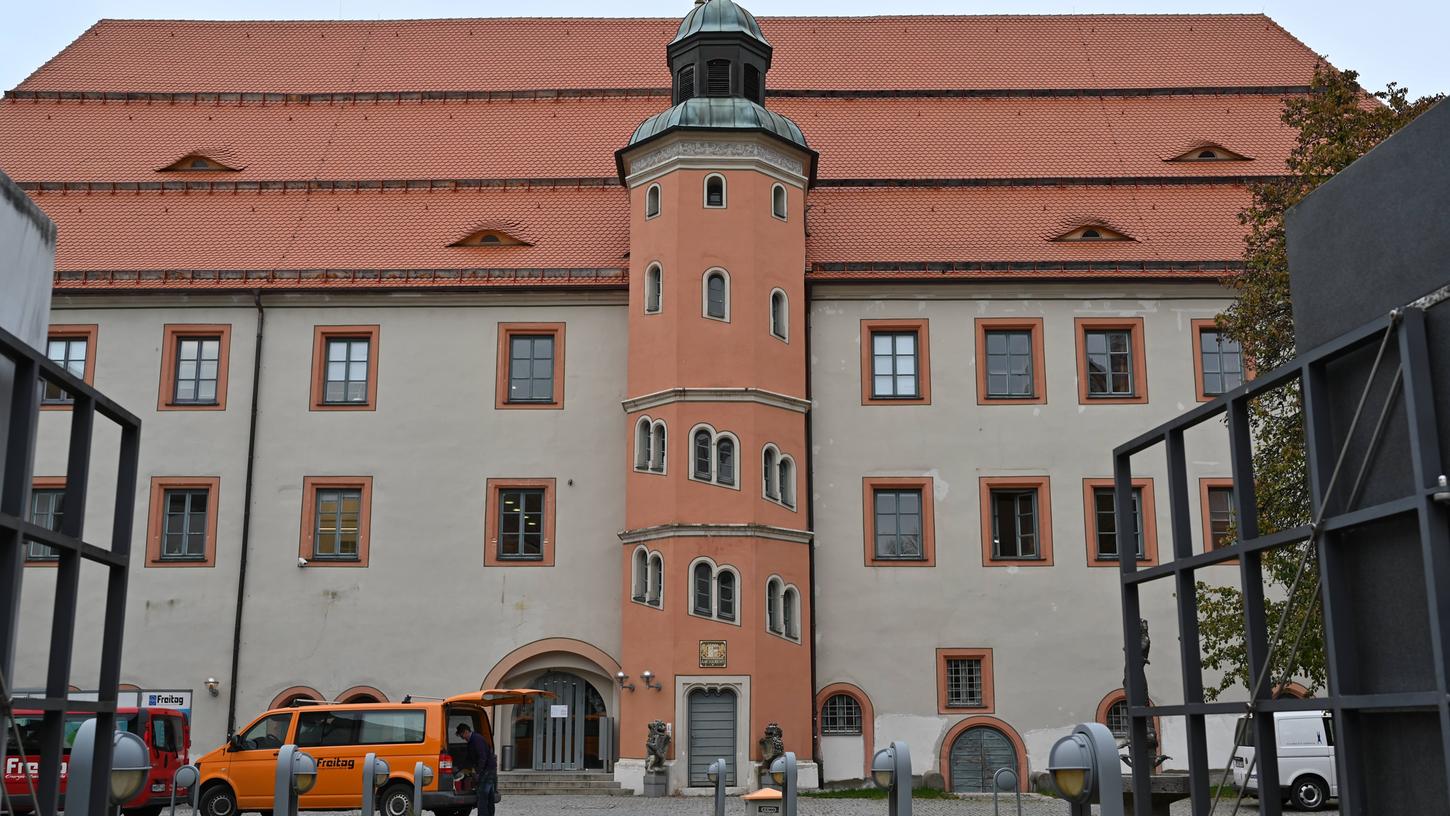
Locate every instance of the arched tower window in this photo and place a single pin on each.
(654, 280)
(725, 461)
(685, 84)
(715, 190)
(771, 472)
(652, 201)
(703, 454)
(657, 447)
(703, 586)
(777, 201)
(725, 595)
(752, 84)
(790, 613)
(640, 575)
(717, 77)
(779, 313)
(772, 606)
(642, 444)
(655, 584)
(717, 295)
(787, 481)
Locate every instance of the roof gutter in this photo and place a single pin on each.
(246, 518)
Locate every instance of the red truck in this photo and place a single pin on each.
(165, 730)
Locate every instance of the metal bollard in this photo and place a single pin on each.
(422, 778)
(187, 776)
(1005, 779)
(718, 773)
(296, 774)
(783, 771)
(374, 774)
(891, 769)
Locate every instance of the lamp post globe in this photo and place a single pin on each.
(380, 772)
(304, 772)
(777, 770)
(883, 767)
(1071, 765)
(130, 765)
(716, 768)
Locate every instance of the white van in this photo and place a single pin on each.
(1307, 776)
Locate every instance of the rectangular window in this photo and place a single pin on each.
(1014, 524)
(1109, 363)
(320, 729)
(893, 365)
(1220, 513)
(197, 369)
(72, 354)
(964, 682)
(47, 509)
(1106, 518)
(184, 530)
(898, 524)
(337, 533)
(1220, 363)
(1009, 364)
(531, 368)
(521, 524)
(345, 368)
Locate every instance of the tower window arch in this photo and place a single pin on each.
(654, 281)
(770, 472)
(779, 314)
(642, 441)
(725, 583)
(717, 77)
(714, 590)
(773, 591)
(714, 456)
(787, 481)
(725, 460)
(703, 446)
(652, 201)
(715, 191)
(640, 574)
(715, 294)
(790, 613)
(657, 447)
(685, 84)
(703, 591)
(778, 201)
(752, 84)
(655, 582)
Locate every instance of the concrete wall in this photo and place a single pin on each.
(1055, 632)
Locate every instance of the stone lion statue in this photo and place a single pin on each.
(656, 745)
(772, 745)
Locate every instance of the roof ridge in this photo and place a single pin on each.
(674, 20)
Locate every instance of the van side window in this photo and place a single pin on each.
(330, 728)
(268, 732)
(163, 738)
(1329, 729)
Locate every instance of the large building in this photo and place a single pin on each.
(714, 372)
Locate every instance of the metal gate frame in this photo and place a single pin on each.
(1406, 328)
(31, 369)
(568, 734)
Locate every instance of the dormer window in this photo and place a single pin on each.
(198, 163)
(717, 77)
(489, 238)
(1093, 232)
(1209, 152)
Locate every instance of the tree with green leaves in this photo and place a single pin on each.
(1337, 122)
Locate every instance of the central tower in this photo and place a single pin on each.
(717, 550)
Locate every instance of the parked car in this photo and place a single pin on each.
(1307, 775)
(239, 776)
(165, 731)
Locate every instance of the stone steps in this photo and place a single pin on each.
(559, 783)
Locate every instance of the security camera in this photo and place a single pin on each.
(301, 562)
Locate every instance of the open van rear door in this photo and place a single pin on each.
(497, 697)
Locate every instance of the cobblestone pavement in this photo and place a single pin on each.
(702, 806)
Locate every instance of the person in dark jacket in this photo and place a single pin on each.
(481, 759)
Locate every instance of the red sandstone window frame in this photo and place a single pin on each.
(1204, 486)
(989, 700)
(157, 518)
(494, 488)
(1197, 327)
(320, 336)
(1132, 325)
(73, 331)
(1032, 325)
(922, 327)
(1090, 526)
(1043, 486)
(310, 486)
(869, 486)
(171, 335)
(1113, 698)
(506, 333)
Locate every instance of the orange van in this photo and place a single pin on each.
(239, 776)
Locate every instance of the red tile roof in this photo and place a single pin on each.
(571, 138)
(588, 228)
(857, 53)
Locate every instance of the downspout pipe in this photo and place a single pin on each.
(811, 525)
(246, 517)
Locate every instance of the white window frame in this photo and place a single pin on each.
(715, 571)
(690, 440)
(656, 271)
(770, 472)
(652, 191)
(774, 592)
(784, 202)
(705, 293)
(659, 447)
(715, 437)
(655, 581)
(643, 444)
(724, 193)
(736, 575)
(639, 577)
(790, 602)
(784, 334)
(785, 466)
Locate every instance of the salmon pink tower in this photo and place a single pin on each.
(716, 411)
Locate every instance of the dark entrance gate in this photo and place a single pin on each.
(977, 754)
(712, 733)
(558, 743)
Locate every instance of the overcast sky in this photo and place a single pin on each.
(1387, 41)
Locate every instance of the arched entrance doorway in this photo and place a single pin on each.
(977, 754)
(560, 733)
(712, 733)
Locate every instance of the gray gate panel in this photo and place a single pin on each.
(977, 754)
(559, 742)
(712, 734)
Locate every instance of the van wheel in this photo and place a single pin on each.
(1309, 793)
(396, 800)
(217, 801)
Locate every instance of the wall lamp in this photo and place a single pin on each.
(212, 684)
(623, 680)
(648, 677)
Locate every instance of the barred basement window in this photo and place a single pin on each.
(717, 78)
(1118, 721)
(841, 716)
(964, 682)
